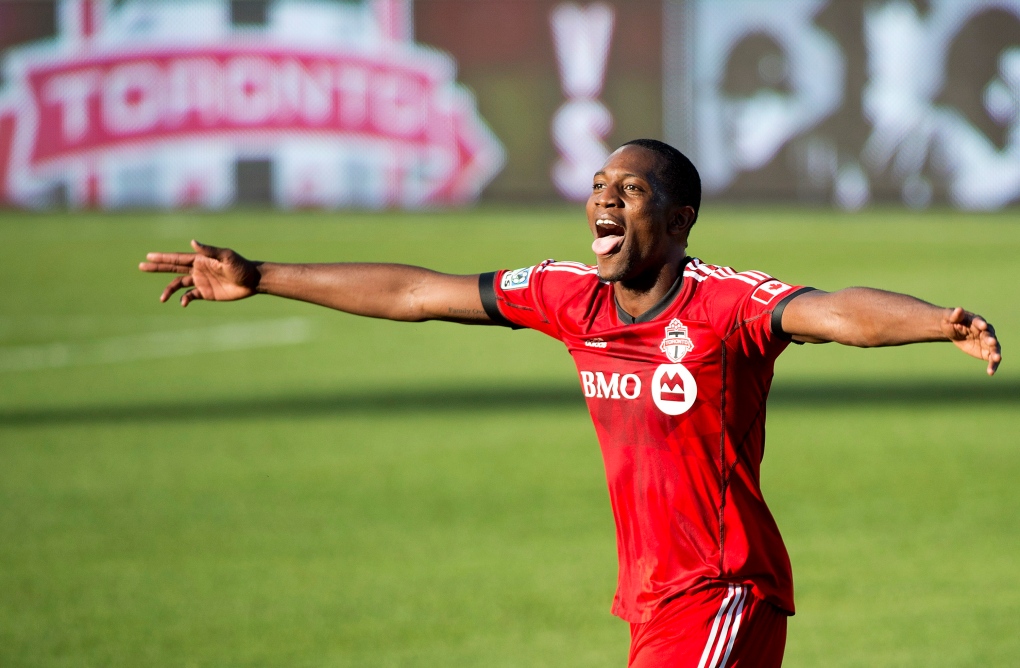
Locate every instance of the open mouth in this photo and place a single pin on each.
(608, 237)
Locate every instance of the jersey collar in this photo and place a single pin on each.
(659, 306)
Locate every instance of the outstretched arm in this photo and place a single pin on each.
(392, 291)
(867, 318)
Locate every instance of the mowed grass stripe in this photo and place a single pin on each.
(155, 345)
(807, 394)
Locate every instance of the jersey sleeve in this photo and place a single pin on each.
(747, 310)
(521, 298)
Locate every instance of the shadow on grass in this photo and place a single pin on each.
(934, 393)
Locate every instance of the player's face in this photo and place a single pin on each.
(630, 216)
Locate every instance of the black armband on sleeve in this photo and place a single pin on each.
(487, 291)
(777, 313)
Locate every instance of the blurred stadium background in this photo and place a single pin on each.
(267, 483)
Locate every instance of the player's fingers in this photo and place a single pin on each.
(190, 296)
(991, 350)
(186, 259)
(210, 251)
(957, 316)
(202, 249)
(164, 268)
(172, 287)
(221, 254)
(175, 285)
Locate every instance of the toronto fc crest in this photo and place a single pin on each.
(677, 343)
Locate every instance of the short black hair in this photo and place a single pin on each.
(679, 175)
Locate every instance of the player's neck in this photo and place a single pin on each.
(637, 295)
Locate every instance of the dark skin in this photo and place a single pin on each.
(627, 195)
(627, 200)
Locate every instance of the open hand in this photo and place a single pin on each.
(974, 336)
(213, 274)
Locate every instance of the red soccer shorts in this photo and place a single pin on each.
(722, 626)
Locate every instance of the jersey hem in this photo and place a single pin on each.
(706, 583)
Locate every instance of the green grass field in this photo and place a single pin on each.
(267, 483)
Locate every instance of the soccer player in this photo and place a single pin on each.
(675, 358)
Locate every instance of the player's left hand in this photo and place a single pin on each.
(973, 335)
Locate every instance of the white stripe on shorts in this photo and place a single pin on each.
(730, 611)
(736, 628)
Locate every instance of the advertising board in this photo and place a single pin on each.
(393, 103)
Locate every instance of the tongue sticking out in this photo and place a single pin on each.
(606, 245)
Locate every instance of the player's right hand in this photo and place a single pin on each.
(213, 274)
(973, 335)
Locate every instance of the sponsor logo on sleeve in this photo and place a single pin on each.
(768, 291)
(516, 279)
(677, 343)
(596, 343)
(673, 389)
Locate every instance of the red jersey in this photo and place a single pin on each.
(677, 396)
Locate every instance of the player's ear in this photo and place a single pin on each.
(681, 222)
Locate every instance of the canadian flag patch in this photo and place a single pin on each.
(768, 291)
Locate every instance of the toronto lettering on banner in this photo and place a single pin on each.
(136, 103)
(122, 116)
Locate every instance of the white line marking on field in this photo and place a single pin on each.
(154, 345)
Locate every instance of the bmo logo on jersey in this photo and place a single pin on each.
(595, 384)
(673, 389)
